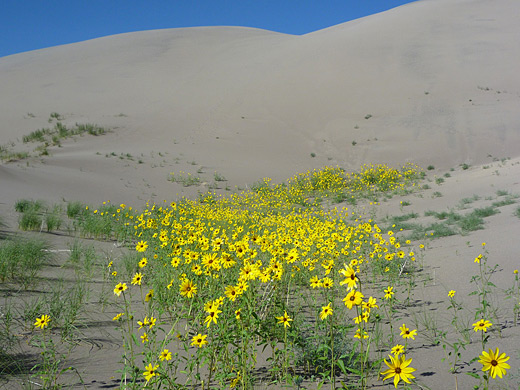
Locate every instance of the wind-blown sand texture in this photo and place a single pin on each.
(434, 82)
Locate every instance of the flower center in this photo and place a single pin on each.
(352, 298)
(494, 363)
(398, 370)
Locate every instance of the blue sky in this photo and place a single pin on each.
(34, 24)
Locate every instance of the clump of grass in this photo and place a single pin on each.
(485, 212)
(21, 259)
(517, 212)
(53, 136)
(466, 201)
(471, 222)
(23, 205)
(31, 219)
(35, 215)
(53, 219)
(219, 177)
(503, 202)
(74, 208)
(186, 179)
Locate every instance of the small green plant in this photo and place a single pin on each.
(430, 167)
(466, 201)
(464, 166)
(368, 116)
(56, 116)
(219, 177)
(439, 180)
(186, 179)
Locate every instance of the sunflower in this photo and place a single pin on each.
(285, 320)
(350, 277)
(199, 340)
(315, 282)
(232, 293)
(188, 288)
(397, 350)
(118, 316)
(451, 293)
(326, 311)
(494, 362)
(165, 355)
(353, 298)
(407, 333)
(370, 304)
(141, 246)
(398, 369)
(150, 372)
(482, 325)
(142, 263)
(138, 278)
(213, 313)
(389, 292)
(120, 288)
(327, 282)
(43, 321)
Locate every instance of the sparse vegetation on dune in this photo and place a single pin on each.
(207, 288)
(48, 137)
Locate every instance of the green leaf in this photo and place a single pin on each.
(474, 375)
(341, 365)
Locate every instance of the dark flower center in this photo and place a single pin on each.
(398, 370)
(494, 363)
(352, 298)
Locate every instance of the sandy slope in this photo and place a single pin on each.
(439, 79)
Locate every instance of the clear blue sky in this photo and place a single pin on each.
(34, 24)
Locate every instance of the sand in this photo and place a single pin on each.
(433, 82)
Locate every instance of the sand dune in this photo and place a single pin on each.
(434, 82)
(437, 78)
